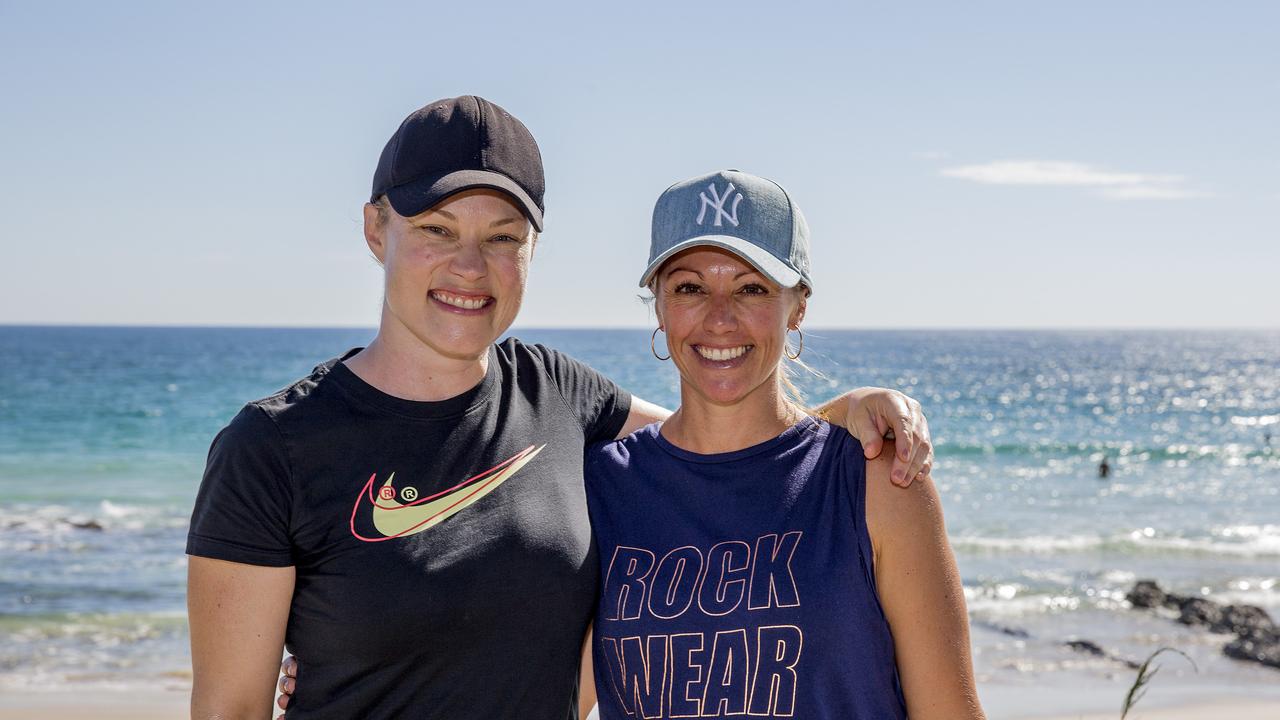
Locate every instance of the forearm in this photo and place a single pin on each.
(834, 411)
(210, 704)
(642, 413)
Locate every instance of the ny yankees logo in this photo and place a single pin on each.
(716, 202)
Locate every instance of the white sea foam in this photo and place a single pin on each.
(55, 520)
(1233, 540)
(93, 651)
(1261, 591)
(1255, 420)
(1005, 601)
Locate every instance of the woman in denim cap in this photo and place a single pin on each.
(753, 561)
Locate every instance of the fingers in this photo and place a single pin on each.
(921, 458)
(921, 464)
(868, 431)
(922, 455)
(880, 432)
(905, 432)
(905, 442)
(288, 682)
(894, 416)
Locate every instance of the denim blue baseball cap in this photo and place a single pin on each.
(750, 216)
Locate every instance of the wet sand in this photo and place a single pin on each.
(100, 705)
(172, 705)
(1233, 709)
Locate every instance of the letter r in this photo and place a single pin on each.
(625, 588)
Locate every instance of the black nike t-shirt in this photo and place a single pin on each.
(444, 560)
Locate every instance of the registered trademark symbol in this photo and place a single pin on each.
(387, 492)
(409, 494)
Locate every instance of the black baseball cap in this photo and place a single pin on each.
(458, 144)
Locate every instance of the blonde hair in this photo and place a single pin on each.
(384, 206)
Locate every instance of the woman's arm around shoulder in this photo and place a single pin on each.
(238, 613)
(920, 591)
(642, 413)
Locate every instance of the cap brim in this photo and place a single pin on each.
(420, 195)
(768, 265)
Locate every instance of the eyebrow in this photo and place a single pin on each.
(678, 268)
(494, 224)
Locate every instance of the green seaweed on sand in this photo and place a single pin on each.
(1146, 673)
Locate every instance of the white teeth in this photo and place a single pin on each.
(459, 301)
(720, 354)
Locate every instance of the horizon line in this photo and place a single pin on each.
(523, 328)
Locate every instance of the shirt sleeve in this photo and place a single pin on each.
(599, 404)
(243, 507)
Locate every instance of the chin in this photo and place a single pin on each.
(721, 393)
(455, 342)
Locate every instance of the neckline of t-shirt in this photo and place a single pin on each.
(787, 437)
(454, 406)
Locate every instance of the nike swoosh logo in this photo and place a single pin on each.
(396, 520)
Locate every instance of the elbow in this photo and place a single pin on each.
(225, 706)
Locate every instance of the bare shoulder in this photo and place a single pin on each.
(898, 512)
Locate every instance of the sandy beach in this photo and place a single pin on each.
(172, 704)
(142, 705)
(1234, 709)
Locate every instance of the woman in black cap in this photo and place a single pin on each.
(410, 519)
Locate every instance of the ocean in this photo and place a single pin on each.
(104, 431)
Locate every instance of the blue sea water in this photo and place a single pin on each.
(103, 435)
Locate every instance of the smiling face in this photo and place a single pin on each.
(726, 325)
(455, 274)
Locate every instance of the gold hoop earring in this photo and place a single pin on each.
(652, 342)
(797, 355)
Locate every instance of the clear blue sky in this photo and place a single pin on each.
(1027, 164)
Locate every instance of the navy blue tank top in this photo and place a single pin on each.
(738, 583)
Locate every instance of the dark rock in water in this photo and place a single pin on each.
(1198, 611)
(1261, 647)
(1244, 620)
(1086, 646)
(85, 524)
(1091, 648)
(1146, 594)
(1002, 629)
(1149, 594)
(1258, 637)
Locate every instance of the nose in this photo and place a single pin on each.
(468, 261)
(720, 317)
